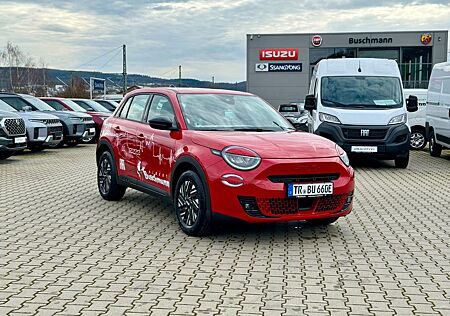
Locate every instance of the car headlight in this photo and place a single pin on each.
(37, 121)
(324, 117)
(343, 155)
(75, 119)
(399, 119)
(240, 158)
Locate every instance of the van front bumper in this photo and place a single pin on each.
(391, 141)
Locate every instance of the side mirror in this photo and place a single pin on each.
(162, 122)
(412, 104)
(310, 102)
(27, 108)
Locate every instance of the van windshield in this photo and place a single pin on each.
(361, 92)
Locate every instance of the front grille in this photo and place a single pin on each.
(56, 132)
(355, 133)
(295, 206)
(50, 121)
(304, 178)
(14, 127)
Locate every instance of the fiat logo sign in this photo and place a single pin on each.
(316, 40)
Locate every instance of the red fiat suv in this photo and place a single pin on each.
(221, 152)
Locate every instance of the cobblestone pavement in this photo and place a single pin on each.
(63, 250)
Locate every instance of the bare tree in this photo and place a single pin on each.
(76, 89)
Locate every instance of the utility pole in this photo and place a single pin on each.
(212, 80)
(179, 75)
(124, 74)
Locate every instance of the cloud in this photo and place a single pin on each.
(206, 37)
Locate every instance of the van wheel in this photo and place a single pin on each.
(402, 162)
(435, 149)
(107, 179)
(5, 155)
(418, 140)
(190, 204)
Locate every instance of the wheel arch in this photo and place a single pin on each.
(103, 146)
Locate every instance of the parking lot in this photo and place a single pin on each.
(66, 251)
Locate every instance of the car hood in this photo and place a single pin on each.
(280, 145)
(37, 115)
(67, 114)
(5, 114)
(364, 116)
(99, 113)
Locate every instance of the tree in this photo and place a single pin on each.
(76, 89)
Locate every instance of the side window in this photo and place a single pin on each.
(137, 107)
(161, 106)
(315, 88)
(124, 111)
(56, 105)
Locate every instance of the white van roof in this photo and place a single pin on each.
(441, 70)
(350, 66)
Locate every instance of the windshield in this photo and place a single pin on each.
(74, 106)
(5, 107)
(361, 92)
(17, 103)
(92, 106)
(37, 103)
(228, 112)
(106, 104)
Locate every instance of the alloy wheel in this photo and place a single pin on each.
(417, 140)
(104, 176)
(188, 203)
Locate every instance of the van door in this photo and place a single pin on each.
(442, 129)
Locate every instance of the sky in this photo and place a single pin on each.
(206, 37)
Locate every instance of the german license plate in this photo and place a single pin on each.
(20, 140)
(92, 130)
(310, 189)
(364, 149)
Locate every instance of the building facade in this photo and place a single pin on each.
(279, 66)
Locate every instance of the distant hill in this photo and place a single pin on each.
(58, 76)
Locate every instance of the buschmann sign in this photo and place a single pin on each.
(278, 54)
(368, 40)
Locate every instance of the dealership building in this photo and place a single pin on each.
(279, 66)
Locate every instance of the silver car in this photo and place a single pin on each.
(42, 129)
(12, 134)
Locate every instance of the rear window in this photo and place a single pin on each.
(288, 108)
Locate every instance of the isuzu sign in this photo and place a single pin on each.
(278, 54)
(278, 67)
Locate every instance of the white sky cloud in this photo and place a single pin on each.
(206, 37)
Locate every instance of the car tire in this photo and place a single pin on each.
(107, 179)
(72, 143)
(435, 149)
(402, 161)
(322, 221)
(4, 156)
(418, 140)
(36, 149)
(191, 207)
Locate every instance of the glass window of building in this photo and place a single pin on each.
(416, 66)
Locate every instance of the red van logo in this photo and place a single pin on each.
(316, 40)
(426, 38)
(278, 54)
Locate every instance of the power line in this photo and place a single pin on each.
(98, 57)
(109, 60)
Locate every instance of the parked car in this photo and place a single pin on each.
(218, 152)
(91, 105)
(12, 134)
(438, 109)
(358, 103)
(416, 120)
(297, 115)
(98, 117)
(42, 129)
(108, 104)
(75, 125)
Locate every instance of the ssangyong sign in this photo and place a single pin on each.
(278, 67)
(278, 54)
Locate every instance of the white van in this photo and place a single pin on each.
(358, 103)
(438, 109)
(416, 120)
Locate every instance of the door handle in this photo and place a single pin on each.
(141, 136)
(117, 129)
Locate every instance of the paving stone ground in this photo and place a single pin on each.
(65, 251)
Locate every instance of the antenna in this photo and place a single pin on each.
(359, 66)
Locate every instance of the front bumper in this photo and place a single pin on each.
(9, 144)
(54, 134)
(260, 199)
(391, 141)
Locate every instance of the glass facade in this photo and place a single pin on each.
(415, 63)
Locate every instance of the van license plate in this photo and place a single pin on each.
(364, 149)
(92, 130)
(310, 189)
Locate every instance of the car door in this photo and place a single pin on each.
(158, 158)
(443, 120)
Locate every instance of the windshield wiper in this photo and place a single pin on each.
(253, 129)
(335, 102)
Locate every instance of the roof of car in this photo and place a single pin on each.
(190, 91)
